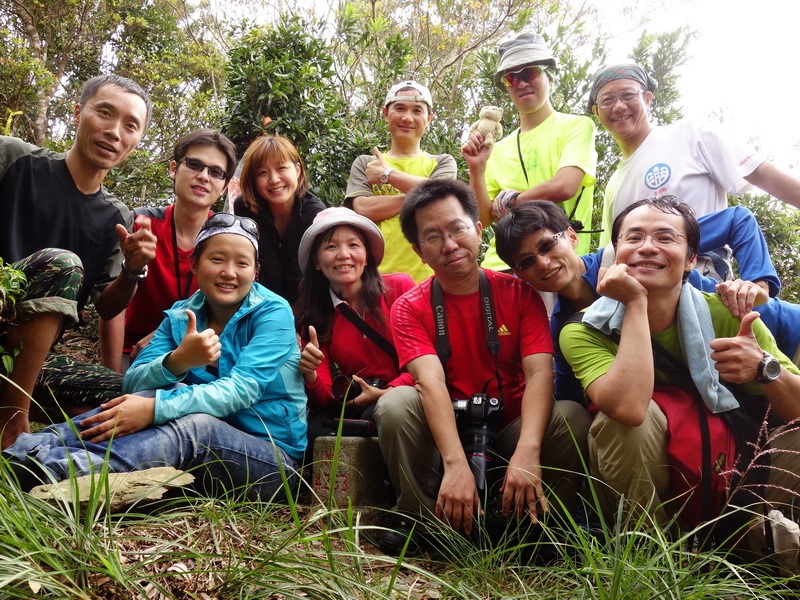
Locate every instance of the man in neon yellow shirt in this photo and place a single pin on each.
(551, 156)
(378, 183)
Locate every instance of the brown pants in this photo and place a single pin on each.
(414, 463)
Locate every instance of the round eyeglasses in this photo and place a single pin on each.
(609, 101)
(660, 237)
(436, 240)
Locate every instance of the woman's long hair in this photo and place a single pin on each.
(313, 306)
(275, 150)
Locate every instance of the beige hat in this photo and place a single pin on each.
(525, 49)
(333, 217)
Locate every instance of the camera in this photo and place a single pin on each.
(345, 389)
(477, 419)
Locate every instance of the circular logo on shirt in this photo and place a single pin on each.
(657, 175)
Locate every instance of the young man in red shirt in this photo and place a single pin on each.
(201, 166)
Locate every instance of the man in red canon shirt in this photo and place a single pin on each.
(417, 428)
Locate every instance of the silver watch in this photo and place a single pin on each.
(385, 175)
(769, 369)
(133, 276)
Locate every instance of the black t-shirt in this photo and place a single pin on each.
(277, 256)
(42, 208)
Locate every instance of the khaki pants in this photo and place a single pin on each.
(414, 462)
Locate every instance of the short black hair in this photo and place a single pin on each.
(95, 84)
(668, 204)
(523, 220)
(208, 137)
(431, 191)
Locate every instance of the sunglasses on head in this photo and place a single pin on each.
(220, 220)
(526, 74)
(199, 166)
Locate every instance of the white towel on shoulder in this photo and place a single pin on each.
(695, 332)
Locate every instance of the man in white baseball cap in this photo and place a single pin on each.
(379, 182)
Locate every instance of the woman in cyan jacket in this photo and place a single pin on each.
(217, 392)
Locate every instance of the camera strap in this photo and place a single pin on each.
(443, 348)
(578, 226)
(376, 338)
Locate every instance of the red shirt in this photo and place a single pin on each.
(355, 353)
(522, 328)
(159, 290)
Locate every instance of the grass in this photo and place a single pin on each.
(225, 548)
(192, 547)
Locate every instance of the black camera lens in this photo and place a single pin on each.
(344, 388)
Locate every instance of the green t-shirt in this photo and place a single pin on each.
(562, 140)
(590, 352)
(399, 256)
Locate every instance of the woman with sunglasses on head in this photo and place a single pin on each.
(217, 392)
(275, 195)
(342, 312)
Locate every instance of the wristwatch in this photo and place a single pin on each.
(385, 175)
(769, 369)
(133, 276)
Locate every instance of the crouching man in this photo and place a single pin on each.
(618, 350)
(482, 332)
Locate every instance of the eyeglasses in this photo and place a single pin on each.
(544, 249)
(220, 220)
(660, 237)
(610, 100)
(526, 74)
(436, 240)
(199, 166)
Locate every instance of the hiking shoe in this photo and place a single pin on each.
(401, 529)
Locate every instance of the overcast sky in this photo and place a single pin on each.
(744, 66)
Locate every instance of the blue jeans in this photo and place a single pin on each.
(220, 456)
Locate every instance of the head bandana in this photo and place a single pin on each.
(621, 71)
(234, 228)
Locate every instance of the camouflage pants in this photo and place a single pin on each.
(73, 386)
(54, 277)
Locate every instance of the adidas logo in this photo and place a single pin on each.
(503, 330)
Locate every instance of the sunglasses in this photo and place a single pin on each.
(526, 74)
(220, 220)
(544, 249)
(199, 166)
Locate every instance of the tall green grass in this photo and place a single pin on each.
(196, 547)
(307, 547)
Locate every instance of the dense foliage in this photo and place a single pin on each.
(318, 78)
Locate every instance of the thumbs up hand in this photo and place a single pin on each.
(197, 348)
(376, 167)
(737, 358)
(311, 357)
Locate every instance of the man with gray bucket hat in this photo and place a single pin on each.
(551, 156)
